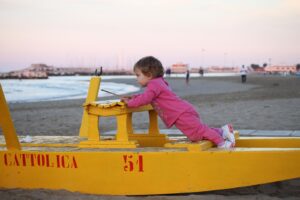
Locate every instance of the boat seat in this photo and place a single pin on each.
(125, 137)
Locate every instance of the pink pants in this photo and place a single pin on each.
(190, 124)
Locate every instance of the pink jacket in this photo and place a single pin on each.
(166, 103)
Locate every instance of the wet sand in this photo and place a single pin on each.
(263, 103)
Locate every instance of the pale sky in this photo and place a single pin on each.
(110, 33)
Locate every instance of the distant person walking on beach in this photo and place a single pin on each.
(187, 77)
(201, 71)
(172, 109)
(168, 72)
(243, 72)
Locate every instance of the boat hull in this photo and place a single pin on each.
(142, 172)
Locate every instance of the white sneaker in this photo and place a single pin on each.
(226, 145)
(228, 133)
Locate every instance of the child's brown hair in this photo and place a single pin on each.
(150, 66)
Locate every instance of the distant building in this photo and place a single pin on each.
(217, 69)
(259, 69)
(39, 71)
(40, 68)
(182, 68)
(194, 70)
(280, 69)
(35, 71)
(65, 71)
(179, 68)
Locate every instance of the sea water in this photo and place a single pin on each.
(71, 87)
(58, 88)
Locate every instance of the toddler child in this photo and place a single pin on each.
(172, 109)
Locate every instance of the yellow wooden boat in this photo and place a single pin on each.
(138, 163)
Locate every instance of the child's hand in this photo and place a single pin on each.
(125, 99)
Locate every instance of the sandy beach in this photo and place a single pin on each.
(262, 103)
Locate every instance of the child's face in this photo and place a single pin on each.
(141, 78)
